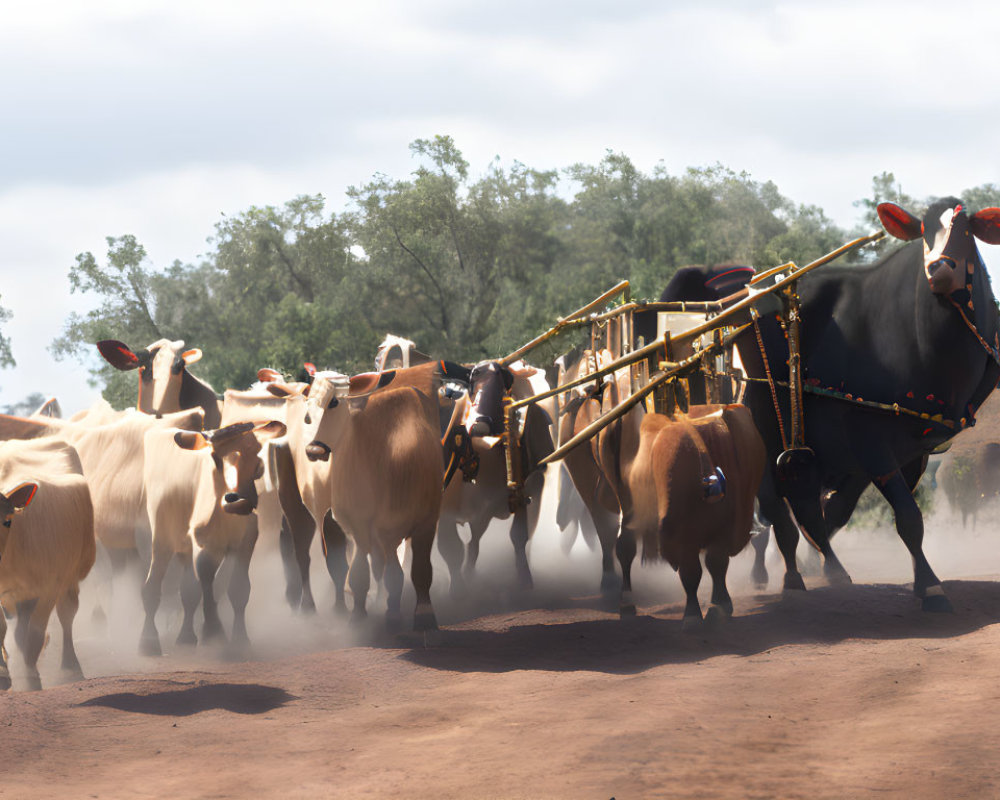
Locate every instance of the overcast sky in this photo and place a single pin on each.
(153, 118)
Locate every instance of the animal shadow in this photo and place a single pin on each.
(238, 698)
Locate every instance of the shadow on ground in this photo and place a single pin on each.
(827, 614)
(235, 697)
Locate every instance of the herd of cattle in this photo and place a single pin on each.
(413, 450)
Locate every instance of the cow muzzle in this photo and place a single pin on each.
(317, 451)
(233, 503)
(944, 276)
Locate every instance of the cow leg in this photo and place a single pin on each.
(190, 598)
(786, 536)
(477, 529)
(607, 525)
(206, 565)
(760, 540)
(625, 548)
(421, 573)
(66, 609)
(33, 638)
(359, 578)
(721, 608)
(452, 550)
(393, 578)
(290, 565)
(239, 582)
(519, 538)
(809, 513)
(149, 642)
(690, 571)
(4, 671)
(910, 527)
(335, 541)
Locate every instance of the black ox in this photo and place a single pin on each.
(897, 357)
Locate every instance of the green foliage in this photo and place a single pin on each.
(6, 356)
(467, 266)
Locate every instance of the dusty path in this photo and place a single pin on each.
(842, 692)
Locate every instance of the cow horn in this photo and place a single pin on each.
(230, 432)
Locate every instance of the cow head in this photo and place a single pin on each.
(15, 500)
(161, 371)
(489, 383)
(950, 255)
(235, 451)
(327, 409)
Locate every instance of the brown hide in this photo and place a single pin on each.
(662, 491)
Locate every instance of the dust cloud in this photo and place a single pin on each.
(564, 577)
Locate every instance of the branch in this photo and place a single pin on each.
(302, 282)
(145, 308)
(437, 286)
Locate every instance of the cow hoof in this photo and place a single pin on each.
(717, 616)
(626, 610)
(307, 608)
(186, 639)
(4, 679)
(611, 584)
(212, 632)
(433, 638)
(691, 623)
(424, 619)
(937, 604)
(393, 621)
(34, 683)
(794, 582)
(73, 674)
(836, 575)
(760, 579)
(150, 647)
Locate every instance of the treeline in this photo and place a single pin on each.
(466, 267)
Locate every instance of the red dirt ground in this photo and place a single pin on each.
(845, 691)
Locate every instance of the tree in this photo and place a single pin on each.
(6, 356)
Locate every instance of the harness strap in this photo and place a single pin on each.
(770, 378)
(895, 408)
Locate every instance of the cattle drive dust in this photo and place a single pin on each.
(566, 575)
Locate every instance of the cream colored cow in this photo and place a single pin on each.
(46, 545)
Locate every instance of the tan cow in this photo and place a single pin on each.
(201, 500)
(686, 484)
(386, 469)
(46, 548)
(165, 385)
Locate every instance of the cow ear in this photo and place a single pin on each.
(118, 354)
(986, 225)
(355, 405)
(899, 222)
(190, 440)
(21, 496)
(270, 430)
(191, 356)
(310, 368)
(267, 375)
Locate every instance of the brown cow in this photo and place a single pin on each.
(386, 468)
(46, 548)
(666, 472)
(201, 500)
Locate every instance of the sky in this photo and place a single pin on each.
(156, 118)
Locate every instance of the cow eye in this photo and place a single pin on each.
(333, 403)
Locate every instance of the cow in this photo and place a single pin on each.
(165, 385)
(970, 478)
(46, 546)
(477, 503)
(111, 451)
(686, 485)
(386, 470)
(896, 357)
(201, 500)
